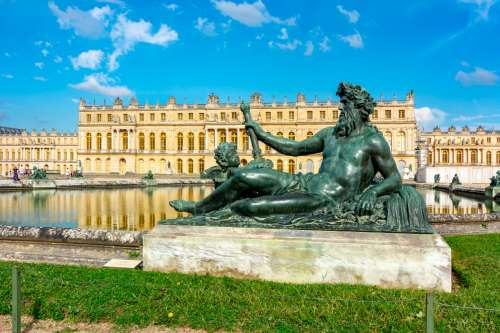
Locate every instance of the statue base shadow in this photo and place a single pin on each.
(387, 260)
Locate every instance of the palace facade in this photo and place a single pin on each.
(180, 138)
(473, 155)
(55, 152)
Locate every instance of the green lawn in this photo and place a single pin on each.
(140, 298)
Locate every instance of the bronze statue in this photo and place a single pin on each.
(354, 151)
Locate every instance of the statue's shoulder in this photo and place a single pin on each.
(374, 136)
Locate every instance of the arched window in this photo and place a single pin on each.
(291, 166)
(444, 156)
(142, 144)
(125, 140)
(279, 134)
(245, 141)
(222, 136)
(89, 141)
(279, 165)
(201, 165)
(163, 141)
(498, 157)
(473, 156)
(99, 141)
(388, 138)
(201, 141)
(244, 162)
(190, 141)
(401, 141)
(180, 141)
(108, 141)
(488, 158)
(234, 137)
(179, 166)
(190, 166)
(460, 156)
(310, 134)
(291, 136)
(152, 141)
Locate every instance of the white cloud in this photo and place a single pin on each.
(125, 34)
(91, 23)
(226, 26)
(40, 78)
(102, 84)
(259, 36)
(58, 59)
(45, 52)
(90, 59)
(205, 27)
(309, 48)
(324, 45)
(39, 65)
(119, 3)
(283, 34)
(482, 7)
(352, 15)
(478, 77)
(75, 100)
(476, 117)
(171, 6)
(43, 43)
(289, 46)
(428, 117)
(250, 14)
(354, 40)
(7, 76)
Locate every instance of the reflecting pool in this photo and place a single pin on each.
(141, 208)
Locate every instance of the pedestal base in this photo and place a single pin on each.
(388, 260)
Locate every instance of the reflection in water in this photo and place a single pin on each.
(113, 209)
(444, 203)
(141, 209)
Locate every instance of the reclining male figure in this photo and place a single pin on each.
(353, 152)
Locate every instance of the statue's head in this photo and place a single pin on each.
(356, 105)
(226, 155)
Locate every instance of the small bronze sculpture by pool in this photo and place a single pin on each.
(344, 195)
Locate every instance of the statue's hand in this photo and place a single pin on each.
(366, 203)
(244, 107)
(252, 125)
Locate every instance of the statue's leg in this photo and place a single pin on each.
(242, 184)
(289, 203)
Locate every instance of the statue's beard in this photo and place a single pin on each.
(349, 120)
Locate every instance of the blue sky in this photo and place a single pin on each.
(52, 53)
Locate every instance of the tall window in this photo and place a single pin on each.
(163, 116)
(279, 165)
(473, 156)
(291, 136)
(429, 158)
(190, 141)
(190, 166)
(488, 157)
(268, 116)
(375, 114)
(291, 166)
(388, 114)
(110, 117)
(108, 141)
(322, 115)
(125, 140)
(245, 140)
(444, 157)
(401, 141)
(142, 144)
(498, 157)
(201, 165)
(89, 141)
(280, 134)
(179, 166)
(401, 114)
(163, 141)
(180, 141)
(201, 141)
(222, 136)
(223, 116)
(291, 115)
(89, 118)
(152, 117)
(99, 141)
(310, 134)
(152, 141)
(234, 137)
(335, 114)
(280, 115)
(125, 117)
(460, 156)
(309, 115)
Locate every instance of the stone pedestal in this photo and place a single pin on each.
(389, 260)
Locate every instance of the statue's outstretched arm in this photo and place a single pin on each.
(289, 147)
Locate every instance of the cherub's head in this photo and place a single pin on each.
(226, 155)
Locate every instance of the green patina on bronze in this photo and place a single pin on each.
(358, 186)
(38, 174)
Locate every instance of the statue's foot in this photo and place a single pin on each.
(183, 205)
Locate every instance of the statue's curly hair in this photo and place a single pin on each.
(223, 149)
(362, 100)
